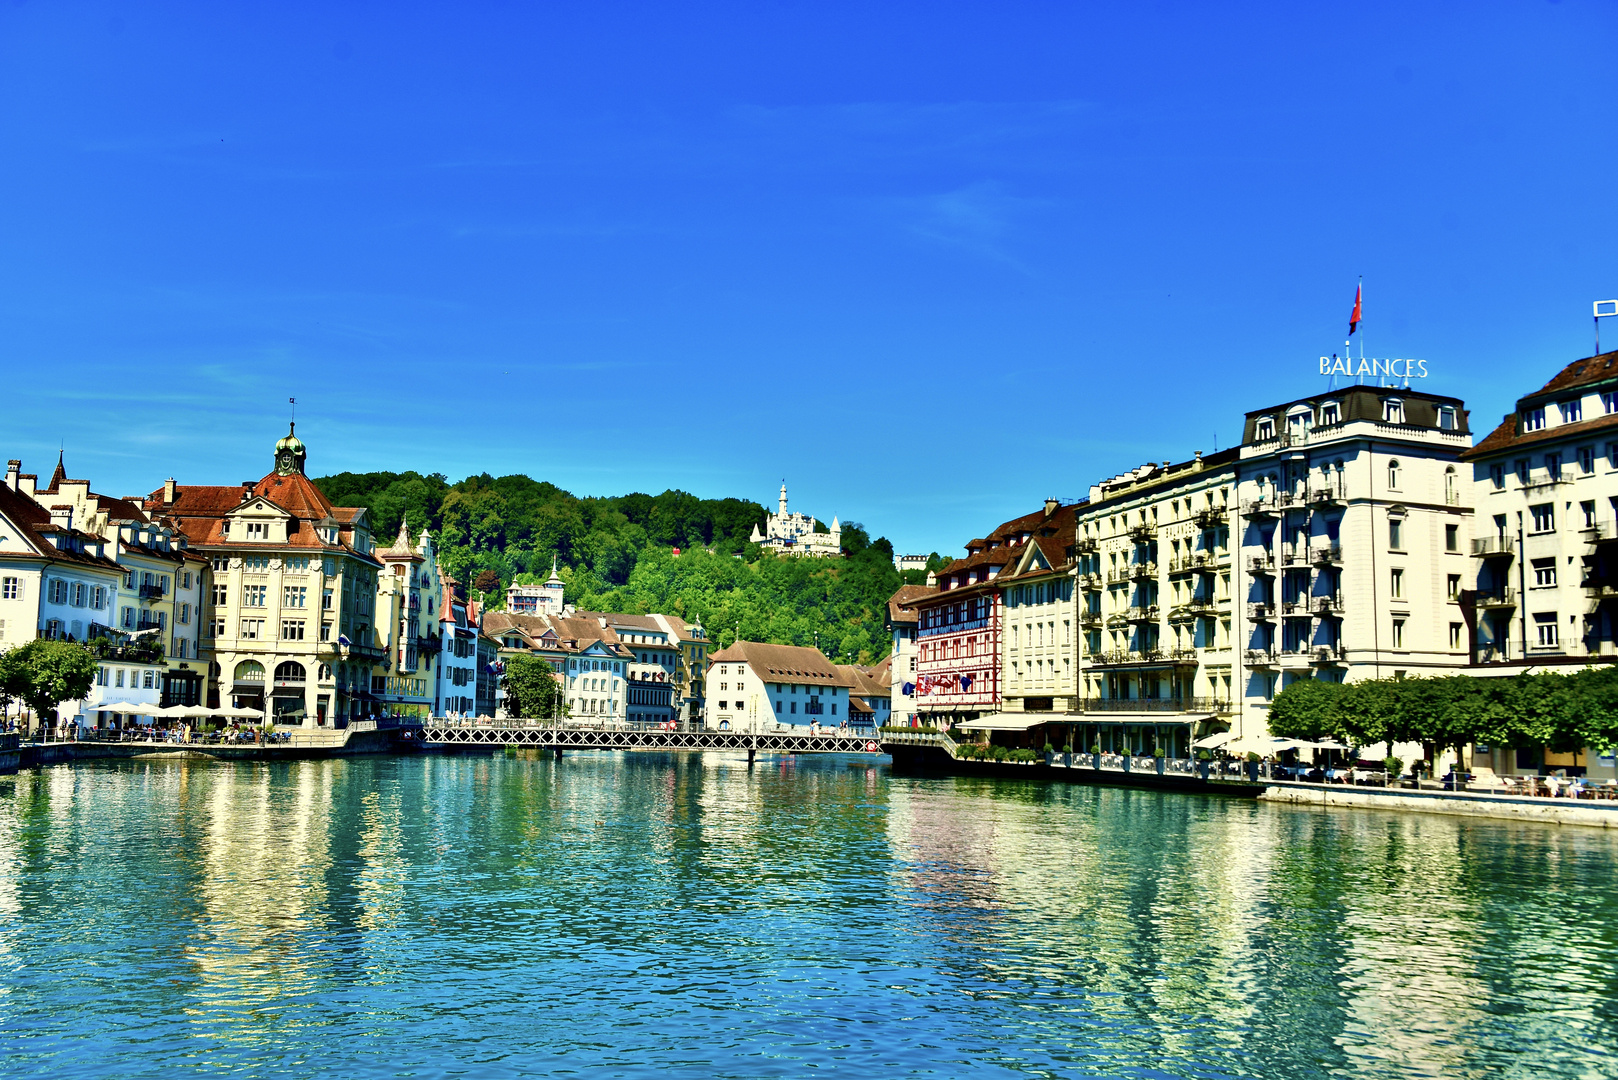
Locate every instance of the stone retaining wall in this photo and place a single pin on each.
(1599, 813)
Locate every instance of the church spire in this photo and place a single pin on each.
(61, 472)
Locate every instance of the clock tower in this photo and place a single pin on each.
(290, 454)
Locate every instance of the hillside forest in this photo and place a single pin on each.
(617, 554)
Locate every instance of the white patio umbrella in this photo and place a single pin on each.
(173, 712)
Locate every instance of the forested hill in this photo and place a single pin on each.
(616, 554)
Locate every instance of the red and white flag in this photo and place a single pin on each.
(1354, 319)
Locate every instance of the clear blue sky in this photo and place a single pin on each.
(929, 262)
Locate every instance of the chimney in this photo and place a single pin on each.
(62, 517)
(168, 492)
(13, 467)
(1050, 506)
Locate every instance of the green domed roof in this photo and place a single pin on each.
(291, 442)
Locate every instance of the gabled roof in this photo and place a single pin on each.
(783, 663)
(35, 527)
(899, 609)
(1586, 374)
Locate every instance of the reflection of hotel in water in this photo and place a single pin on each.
(1179, 598)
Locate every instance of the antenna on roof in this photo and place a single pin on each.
(1603, 309)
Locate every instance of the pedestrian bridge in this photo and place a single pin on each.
(559, 736)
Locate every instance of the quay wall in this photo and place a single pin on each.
(352, 742)
(1599, 813)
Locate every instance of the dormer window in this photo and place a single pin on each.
(1446, 418)
(1533, 419)
(1572, 411)
(258, 530)
(1329, 414)
(1393, 411)
(1265, 430)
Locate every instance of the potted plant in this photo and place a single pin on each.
(1252, 764)
(1067, 753)
(1204, 756)
(1095, 753)
(1050, 753)
(1395, 768)
(1162, 758)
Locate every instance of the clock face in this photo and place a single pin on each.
(286, 461)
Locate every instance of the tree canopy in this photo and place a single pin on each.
(532, 689)
(616, 554)
(43, 674)
(1560, 711)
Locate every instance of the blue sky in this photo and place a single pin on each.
(929, 262)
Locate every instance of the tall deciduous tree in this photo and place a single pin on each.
(43, 674)
(532, 689)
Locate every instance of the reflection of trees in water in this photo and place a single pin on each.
(1176, 930)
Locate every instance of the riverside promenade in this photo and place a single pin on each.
(359, 737)
(928, 752)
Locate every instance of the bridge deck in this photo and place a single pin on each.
(577, 737)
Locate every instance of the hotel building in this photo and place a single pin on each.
(1352, 560)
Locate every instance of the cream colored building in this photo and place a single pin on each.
(759, 687)
(291, 612)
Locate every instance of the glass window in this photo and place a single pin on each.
(1397, 584)
(1533, 419)
(1396, 533)
(1544, 572)
(1572, 411)
(1393, 475)
(1545, 628)
(1398, 633)
(1544, 517)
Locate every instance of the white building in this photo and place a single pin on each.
(757, 687)
(901, 624)
(794, 534)
(1545, 539)
(455, 687)
(542, 599)
(1352, 556)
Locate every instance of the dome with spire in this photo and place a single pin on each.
(290, 453)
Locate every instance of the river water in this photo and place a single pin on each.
(643, 915)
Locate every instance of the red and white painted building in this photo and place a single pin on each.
(959, 627)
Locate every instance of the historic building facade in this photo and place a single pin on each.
(291, 612)
(763, 687)
(1544, 541)
(794, 534)
(1352, 559)
(905, 667)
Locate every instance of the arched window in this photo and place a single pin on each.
(249, 671)
(289, 671)
(1451, 494)
(1393, 475)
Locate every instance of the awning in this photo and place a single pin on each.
(1006, 722)
(1142, 719)
(1213, 742)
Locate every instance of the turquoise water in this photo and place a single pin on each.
(640, 915)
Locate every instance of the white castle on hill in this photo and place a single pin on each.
(794, 534)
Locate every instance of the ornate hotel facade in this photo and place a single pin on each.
(1179, 598)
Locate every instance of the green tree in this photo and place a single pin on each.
(1308, 709)
(532, 689)
(43, 674)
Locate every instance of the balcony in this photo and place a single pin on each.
(1294, 555)
(1326, 654)
(1260, 508)
(1143, 571)
(153, 591)
(1117, 577)
(1157, 705)
(1261, 658)
(1208, 562)
(1327, 556)
(1327, 605)
(1181, 565)
(1210, 517)
(1503, 597)
(1604, 533)
(1494, 547)
(1090, 620)
(1294, 608)
(1142, 613)
(1183, 657)
(1261, 612)
(1202, 605)
(1143, 533)
(1601, 590)
(1330, 495)
(1089, 582)
(1261, 564)
(1295, 657)
(1086, 545)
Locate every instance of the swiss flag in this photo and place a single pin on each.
(1354, 319)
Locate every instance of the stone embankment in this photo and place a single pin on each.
(1602, 813)
(359, 738)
